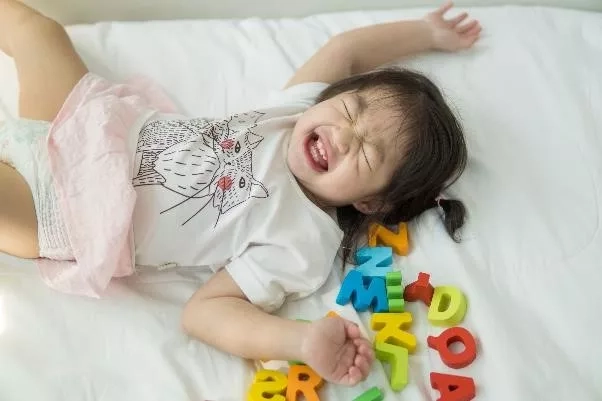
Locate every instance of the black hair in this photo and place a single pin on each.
(434, 153)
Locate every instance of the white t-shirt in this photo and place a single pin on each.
(219, 193)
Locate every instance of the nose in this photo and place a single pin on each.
(342, 138)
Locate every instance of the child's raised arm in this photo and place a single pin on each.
(220, 315)
(364, 49)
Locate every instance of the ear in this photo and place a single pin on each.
(369, 206)
(253, 139)
(258, 189)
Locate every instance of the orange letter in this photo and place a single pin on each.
(398, 241)
(303, 380)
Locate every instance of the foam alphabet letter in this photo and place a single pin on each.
(420, 289)
(396, 305)
(398, 241)
(268, 385)
(446, 339)
(394, 291)
(373, 394)
(397, 357)
(303, 380)
(374, 262)
(389, 327)
(453, 388)
(448, 307)
(393, 284)
(353, 289)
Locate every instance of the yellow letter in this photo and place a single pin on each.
(268, 385)
(397, 357)
(389, 327)
(448, 307)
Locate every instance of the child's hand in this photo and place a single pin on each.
(335, 350)
(450, 34)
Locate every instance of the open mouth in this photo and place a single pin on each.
(315, 151)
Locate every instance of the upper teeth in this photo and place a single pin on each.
(320, 147)
(318, 152)
(314, 153)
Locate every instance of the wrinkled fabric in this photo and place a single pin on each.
(90, 157)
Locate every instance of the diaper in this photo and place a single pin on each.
(23, 146)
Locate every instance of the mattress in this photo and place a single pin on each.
(529, 96)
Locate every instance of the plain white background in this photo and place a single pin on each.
(85, 11)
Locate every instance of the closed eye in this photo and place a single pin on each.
(347, 110)
(362, 146)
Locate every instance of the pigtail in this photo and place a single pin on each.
(454, 215)
(354, 224)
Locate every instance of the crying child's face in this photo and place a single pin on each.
(345, 150)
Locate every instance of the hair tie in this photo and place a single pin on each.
(438, 201)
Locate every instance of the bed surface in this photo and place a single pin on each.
(529, 95)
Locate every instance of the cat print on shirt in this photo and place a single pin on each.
(206, 161)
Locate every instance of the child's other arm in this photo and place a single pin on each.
(363, 49)
(219, 314)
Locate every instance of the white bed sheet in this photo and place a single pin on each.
(530, 96)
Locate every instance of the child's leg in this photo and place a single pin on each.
(48, 66)
(18, 223)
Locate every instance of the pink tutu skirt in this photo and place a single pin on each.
(90, 148)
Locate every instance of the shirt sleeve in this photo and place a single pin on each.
(270, 274)
(301, 95)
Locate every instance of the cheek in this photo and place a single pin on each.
(344, 183)
(309, 117)
(316, 116)
(353, 185)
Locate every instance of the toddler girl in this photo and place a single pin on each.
(98, 177)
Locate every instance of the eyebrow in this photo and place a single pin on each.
(351, 118)
(362, 106)
(362, 103)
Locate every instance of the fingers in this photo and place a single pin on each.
(364, 357)
(363, 365)
(464, 29)
(360, 355)
(364, 348)
(471, 37)
(348, 357)
(454, 23)
(456, 20)
(354, 376)
(474, 31)
(445, 7)
(352, 329)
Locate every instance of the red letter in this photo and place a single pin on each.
(446, 339)
(420, 289)
(453, 388)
